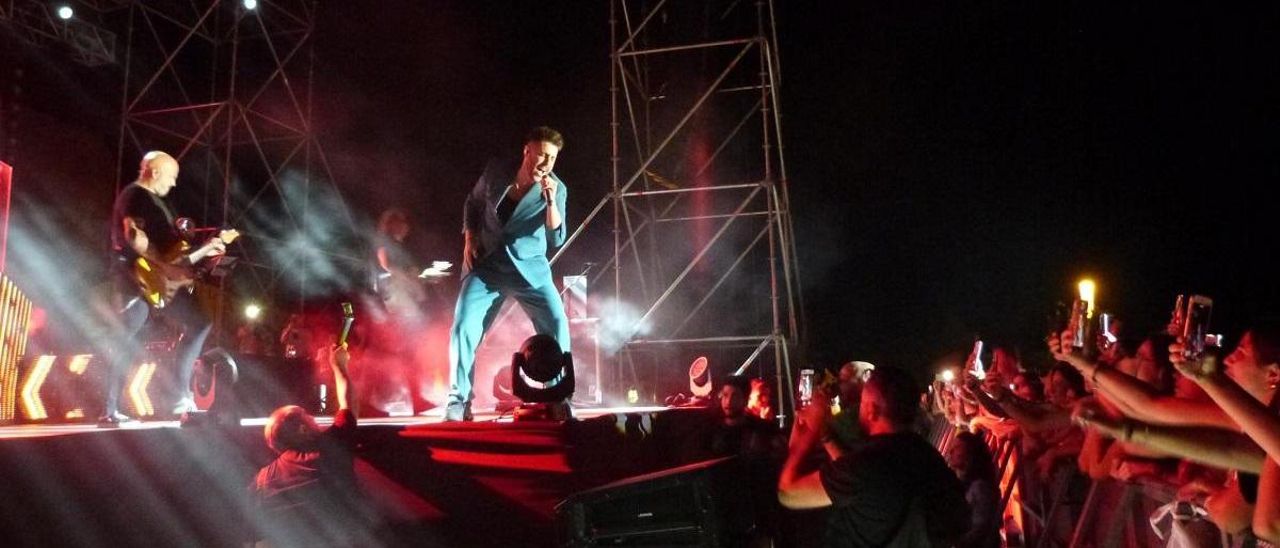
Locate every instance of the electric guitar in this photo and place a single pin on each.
(159, 283)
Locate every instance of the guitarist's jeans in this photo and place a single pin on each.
(126, 346)
(483, 291)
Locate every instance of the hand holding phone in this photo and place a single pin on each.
(348, 317)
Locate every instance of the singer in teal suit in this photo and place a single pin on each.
(511, 216)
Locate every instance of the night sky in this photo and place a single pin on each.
(954, 167)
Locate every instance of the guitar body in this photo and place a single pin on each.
(160, 283)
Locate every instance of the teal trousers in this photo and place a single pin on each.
(480, 298)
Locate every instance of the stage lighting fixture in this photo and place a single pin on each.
(65, 12)
(542, 375)
(948, 375)
(700, 378)
(216, 372)
(251, 4)
(252, 311)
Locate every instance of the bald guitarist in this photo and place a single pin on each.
(151, 262)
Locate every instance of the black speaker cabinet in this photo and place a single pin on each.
(701, 504)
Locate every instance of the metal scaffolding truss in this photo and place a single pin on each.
(227, 90)
(88, 41)
(702, 243)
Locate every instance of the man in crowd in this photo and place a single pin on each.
(895, 489)
(738, 431)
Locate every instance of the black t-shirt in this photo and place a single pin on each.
(327, 465)
(984, 503)
(751, 437)
(508, 206)
(1248, 485)
(311, 497)
(398, 256)
(873, 489)
(152, 215)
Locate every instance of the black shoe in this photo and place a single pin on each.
(114, 420)
(457, 411)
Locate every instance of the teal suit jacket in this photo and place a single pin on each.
(525, 237)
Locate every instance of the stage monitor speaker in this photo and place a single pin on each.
(701, 504)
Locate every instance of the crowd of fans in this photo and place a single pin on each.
(1134, 440)
(1125, 441)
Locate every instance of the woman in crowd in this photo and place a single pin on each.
(970, 459)
(1245, 390)
(1200, 429)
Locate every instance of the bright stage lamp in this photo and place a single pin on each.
(542, 377)
(948, 375)
(65, 12)
(700, 378)
(215, 373)
(251, 4)
(1088, 291)
(252, 311)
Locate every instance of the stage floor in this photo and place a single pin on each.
(435, 416)
(491, 482)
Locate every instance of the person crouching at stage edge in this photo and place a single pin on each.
(512, 214)
(308, 495)
(142, 226)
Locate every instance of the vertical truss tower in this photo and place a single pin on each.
(702, 250)
(227, 90)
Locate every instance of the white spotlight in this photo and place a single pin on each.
(252, 311)
(251, 4)
(65, 12)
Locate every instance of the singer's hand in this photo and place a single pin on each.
(549, 188)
